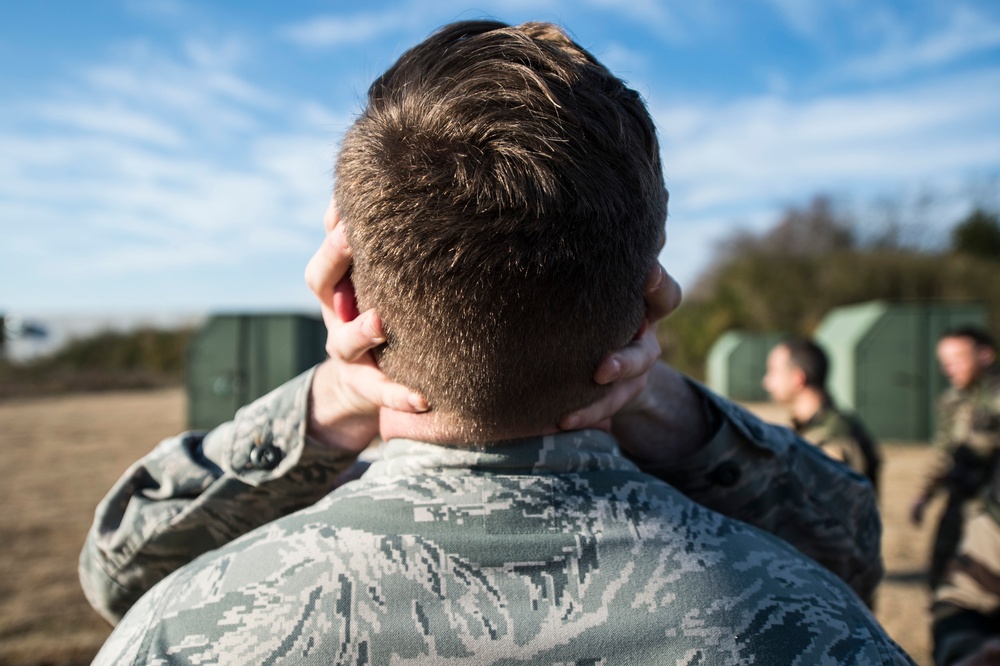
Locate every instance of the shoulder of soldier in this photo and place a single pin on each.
(853, 425)
(991, 384)
(243, 600)
(834, 423)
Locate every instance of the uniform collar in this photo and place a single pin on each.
(817, 418)
(576, 451)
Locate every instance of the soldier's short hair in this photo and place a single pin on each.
(810, 358)
(503, 195)
(980, 336)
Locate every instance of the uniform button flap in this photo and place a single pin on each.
(726, 474)
(265, 456)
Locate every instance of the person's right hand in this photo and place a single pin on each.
(917, 510)
(348, 388)
(658, 418)
(627, 370)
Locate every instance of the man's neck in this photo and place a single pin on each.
(807, 404)
(983, 377)
(439, 428)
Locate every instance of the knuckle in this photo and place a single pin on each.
(388, 398)
(313, 275)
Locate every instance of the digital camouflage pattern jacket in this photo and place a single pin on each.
(549, 550)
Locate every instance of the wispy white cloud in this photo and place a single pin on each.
(749, 158)
(110, 118)
(170, 9)
(159, 166)
(967, 32)
(200, 88)
(113, 198)
(222, 54)
(804, 18)
(650, 13)
(622, 60)
(763, 148)
(333, 30)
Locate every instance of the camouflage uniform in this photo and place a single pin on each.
(967, 603)
(843, 438)
(552, 549)
(967, 440)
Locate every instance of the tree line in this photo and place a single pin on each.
(110, 360)
(816, 258)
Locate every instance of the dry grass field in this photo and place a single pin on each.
(59, 455)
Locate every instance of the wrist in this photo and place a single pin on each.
(334, 419)
(666, 423)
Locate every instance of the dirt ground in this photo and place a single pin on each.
(60, 455)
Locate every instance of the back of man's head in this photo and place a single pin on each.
(503, 195)
(810, 358)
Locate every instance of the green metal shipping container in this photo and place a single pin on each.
(236, 358)
(737, 363)
(883, 364)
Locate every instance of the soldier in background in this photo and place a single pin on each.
(967, 439)
(966, 608)
(503, 207)
(796, 378)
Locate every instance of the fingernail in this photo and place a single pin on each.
(656, 279)
(570, 423)
(338, 239)
(613, 373)
(417, 402)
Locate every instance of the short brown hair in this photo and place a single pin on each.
(503, 195)
(979, 336)
(810, 358)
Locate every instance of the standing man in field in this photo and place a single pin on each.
(503, 207)
(967, 440)
(796, 377)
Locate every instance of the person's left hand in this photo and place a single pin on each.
(917, 510)
(348, 389)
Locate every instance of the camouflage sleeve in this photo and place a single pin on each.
(942, 444)
(197, 491)
(769, 477)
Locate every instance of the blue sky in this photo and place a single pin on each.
(171, 156)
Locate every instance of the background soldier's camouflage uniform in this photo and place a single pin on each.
(553, 550)
(842, 438)
(967, 604)
(967, 439)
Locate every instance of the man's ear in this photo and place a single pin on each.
(800, 377)
(345, 302)
(985, 357)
